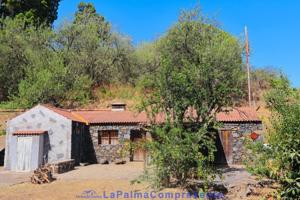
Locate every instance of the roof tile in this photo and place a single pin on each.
(238, 114)
(29, 132)
(107, 116)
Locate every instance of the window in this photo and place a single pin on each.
(108, 137)
(114, 137)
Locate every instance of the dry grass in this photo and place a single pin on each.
(105, 95)
(6, 115)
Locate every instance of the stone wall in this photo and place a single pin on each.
(239, 132)
(62, 166)
(111, 153)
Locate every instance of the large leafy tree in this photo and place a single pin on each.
(200, 69)
(33, 69)
(90, 47)
(36, 11)
(12, 59)
(39, 64)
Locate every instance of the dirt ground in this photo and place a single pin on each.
(94, 181)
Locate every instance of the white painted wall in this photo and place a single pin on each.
(40, 118)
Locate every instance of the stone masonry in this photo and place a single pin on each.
(111, 153)
(240, 131)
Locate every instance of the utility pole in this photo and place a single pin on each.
(248, 67)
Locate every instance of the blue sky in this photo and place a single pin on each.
(274, 25)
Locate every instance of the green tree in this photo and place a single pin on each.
(147, 58)
(12, 59)
(16, 46)
(261, 80)
(199, 72)
(36, 11)
(90, 47)
(78, 57)
(33, 68)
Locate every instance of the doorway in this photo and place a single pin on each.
(137, 152)
(24, 151)
(224, 147)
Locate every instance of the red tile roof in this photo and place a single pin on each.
(110, 117)
(66, 113)
(29, 132)
(107, 116)
(238, 115)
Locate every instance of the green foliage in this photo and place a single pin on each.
(260, 160)
(2, 132)
(180, 154)
(284, 156)
(199, 70)
(147, 58)
(32, 11)
(38, 64)
(261, 80)
(90, 47)
(79, 93)
(12, 60)
(201, 65)
(43, 83)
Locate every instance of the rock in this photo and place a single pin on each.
(103, 161)
(265, 182)
(119, 161)
(249, 191)
(84, 164)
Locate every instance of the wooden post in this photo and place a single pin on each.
(248, 67)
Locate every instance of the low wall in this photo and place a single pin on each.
(62, 166)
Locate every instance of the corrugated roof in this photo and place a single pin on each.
(66, 113)
(238, 115)
(107, 116)
(29, 132)
(110, 117)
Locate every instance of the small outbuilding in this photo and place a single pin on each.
(43, 134)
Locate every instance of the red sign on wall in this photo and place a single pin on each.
(254, 136)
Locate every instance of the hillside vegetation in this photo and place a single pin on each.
(84, 63)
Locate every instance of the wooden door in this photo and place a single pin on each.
(24, 154)
(226, 141)
(138, 153)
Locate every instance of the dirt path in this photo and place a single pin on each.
(8, 178)
(128, 171)
(102, 180)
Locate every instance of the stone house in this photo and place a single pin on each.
(46, 134)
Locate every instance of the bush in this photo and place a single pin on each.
(282, 161)
(179, 155)
(2, 132)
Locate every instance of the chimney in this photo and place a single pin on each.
(118, 106)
